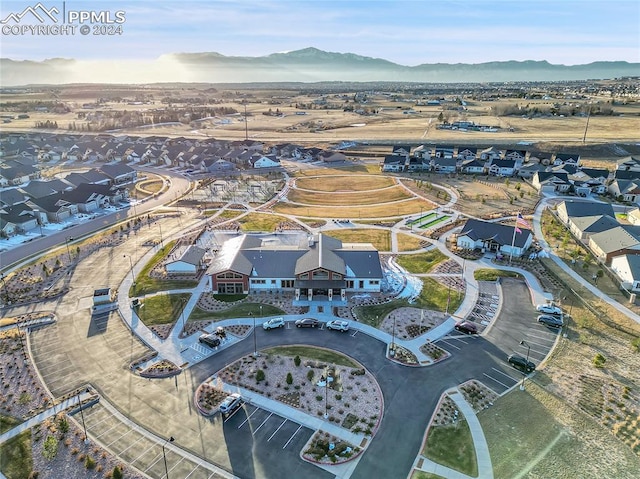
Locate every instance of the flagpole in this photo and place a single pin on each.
(513, 240)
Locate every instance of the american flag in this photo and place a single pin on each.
(520, 221)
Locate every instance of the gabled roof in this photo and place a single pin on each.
(633, 260)
(576, 209)
(474, 163)
(444, 161)
(504, 163)
(618, 238)
(230, 257)
(321, 255)
(11, 196)
(595, 172)
(628, 186)
(501, 234)
(40, 188)
(18, 214)
(626, 175)
(552, 177)
(393, 160)
(567, 156)
(192, 255)
(594, 224)
(116, 170)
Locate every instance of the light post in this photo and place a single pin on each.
(326, 396)
(4, 286)
(37, 213)
(84, 426)
(69, 238)
(184, 306)
(160, 226)
(133, 279)
(448, 299)
(164, 456)
(393, 335)
(524, 343)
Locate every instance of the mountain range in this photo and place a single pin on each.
(306, 65)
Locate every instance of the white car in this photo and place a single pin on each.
(548, 309)
(273, 323)
(230, 404)
(338, 325)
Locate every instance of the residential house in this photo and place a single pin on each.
(633, 216)
(443, 151)
(55, 207)
(472, 167)
(419, 164)
(268, 161)
(627, 269)
(490, 154)
(623, 239)
(625, 190)
(40, 188)
(444, 164)
(583, 227)
(629, 163)
(575, 209)
(528, 170)
(519, 156)
(566, 159)
(401, 150)
(18, 218)
(332, 157)
(11, 197)
(495, 237)
(14, 173)
(504, 167)
(467, 153)
(394, 163)
(91, 176)
(423, 152)
(120, 173)
(549, 182)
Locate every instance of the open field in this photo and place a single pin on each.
(345, 183)
(408, 243)
(452, 446)
(369, 197)
(421, 262)
(162, 309)
(260, 222)
(388, 210)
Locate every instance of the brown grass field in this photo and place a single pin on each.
(408, 243)
(344, 183)
(386, 210)
(385, 195)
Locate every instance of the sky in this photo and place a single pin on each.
(409, 32)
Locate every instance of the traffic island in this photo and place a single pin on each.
(325, 449)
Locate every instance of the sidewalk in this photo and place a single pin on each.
(485, 467)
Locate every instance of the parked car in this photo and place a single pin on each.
(548, 309)
(273, 323)
(230, 404)
(338, 325)
(521, 363)
(211, 340)
(307, 323)
(549, 320)
(466, 327)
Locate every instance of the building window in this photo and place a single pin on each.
(273, 281)
(349, 283)
(304, 276)
(286, 283)
(336, 276)
(320, 274)
(375, 282)
(258, 281)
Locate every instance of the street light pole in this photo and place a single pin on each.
(184, 306)
(160, 226)
(393, 334)
(4, 286)
(524, 375)
(69, 238)
(164, 456)
(133, 279)
(84, 426)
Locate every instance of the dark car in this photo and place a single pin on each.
(307, 323)
(466, 327)
(521, 363)
(210, 340)
(549, 320)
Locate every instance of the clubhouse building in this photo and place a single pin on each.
(316, 266)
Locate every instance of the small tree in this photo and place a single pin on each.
(296, 360)
(117, 473)
(310, 375)
(260, 376)
(50, 449)
(289, 379)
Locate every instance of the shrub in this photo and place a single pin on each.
(319, 398)
(289, 378)
(117, 473)
(599, 360)
(260, 375)
(89, 463)
(50, 449)
(296, 360)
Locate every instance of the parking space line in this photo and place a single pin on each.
(449, 344)
(233, 413)
(457, 338)
(535, 351)
(143, 453)
(551, 337)
(505, 374)
(356, 332)
(159, 457)
(263, 423)
(494, 379)
(291, 438)
(192, 471)
(248, 417)
(174, 466)
(100, 421)
(56, 367)
(104, 432)
(537, 344)
(123, 435)
(131, 445)
(274, 432)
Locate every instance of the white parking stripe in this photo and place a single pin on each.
(174, 466)
(505, 374)
(274, 432)
(104, 432)
(143, 453)
(123, 435)
(248, 417)
(356, 332)
(192, 471)
(291, 438)
(535, 351)
(548, 337)
(131, 445)
(449, 344)
(263, 423)
(494, 379)
(537, 344)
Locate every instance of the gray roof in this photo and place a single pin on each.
(230, 257)
(12, 196)
(116, 170)
(501, 234)
(618, 238)
(594, 224)
(40, 188)
(576, 209)
(634, 264)
(192, 255)
(321, 255)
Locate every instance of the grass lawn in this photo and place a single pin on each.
(380, 239)
(238, 311)
(148, 285)
(373, 315)
(260, 222)
(162, 309)
(490, 274)
(434, 222)
(15, 459)
(318, 354)
(421, 262)
(7, 423)
(408, 243)
(435, 296)
(452, 446)
(424, 475)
